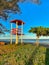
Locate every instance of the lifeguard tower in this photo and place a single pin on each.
(17, 31)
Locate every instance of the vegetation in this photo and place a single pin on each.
(39, 31)
(3, 29)
(27, 54)
(11, 6)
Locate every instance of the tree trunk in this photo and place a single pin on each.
(37, 41)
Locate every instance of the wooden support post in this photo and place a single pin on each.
(11, 35)
(16, 33)
(22, 33)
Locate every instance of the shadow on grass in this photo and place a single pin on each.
(47, 57)
(30, 62)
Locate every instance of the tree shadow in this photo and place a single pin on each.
(47, 57)
(30, 62)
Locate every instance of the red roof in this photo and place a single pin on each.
(19, 22)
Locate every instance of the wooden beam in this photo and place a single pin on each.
(22, 34)
(16, 33)
(11, 35)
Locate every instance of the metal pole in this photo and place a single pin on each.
(22, 33)
(16, 32)
(11, 35)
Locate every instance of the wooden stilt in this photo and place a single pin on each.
(22, 33)
(16, 33)
(11, 35)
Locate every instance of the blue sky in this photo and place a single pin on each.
(32, 14)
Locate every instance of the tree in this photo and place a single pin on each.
(7, 6)
(3, 29)
(39, 31)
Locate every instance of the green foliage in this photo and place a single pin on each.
(40, 31)
(7, 6)
(47, 57)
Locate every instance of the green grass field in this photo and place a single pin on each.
(27, 54)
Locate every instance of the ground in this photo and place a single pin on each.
(26, 54)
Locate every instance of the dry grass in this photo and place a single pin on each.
(22, 55)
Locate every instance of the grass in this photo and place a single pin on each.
(27, 54)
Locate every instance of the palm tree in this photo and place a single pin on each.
(39, 31)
